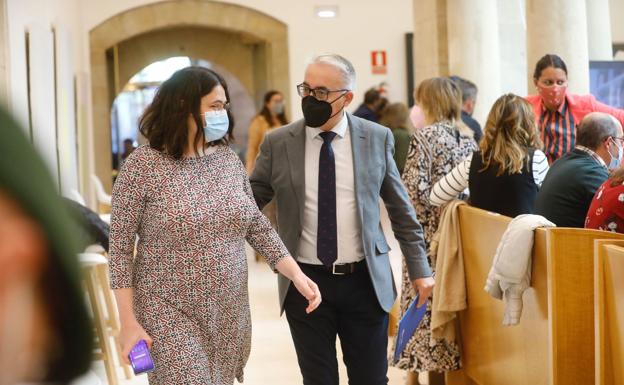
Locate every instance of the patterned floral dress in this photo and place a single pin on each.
(189, 274)
(434, 151)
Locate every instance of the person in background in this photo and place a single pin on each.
(558, 112)
(505, 174)
(469, 99)
(381, 107)
(572, 181)
(271, 115)
(434, 151)
(369, 109)
(606, 211)
(128, 148)
(187, 197)
(96, 231)
(417, 117)
(45, 331)
(395, 117)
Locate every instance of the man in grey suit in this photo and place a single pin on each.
(327, 173)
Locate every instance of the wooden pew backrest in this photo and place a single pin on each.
(609, 312)
(554, 341)
(571, 302)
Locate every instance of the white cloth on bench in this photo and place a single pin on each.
(510, 274)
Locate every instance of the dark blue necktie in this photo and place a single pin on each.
(327, 237)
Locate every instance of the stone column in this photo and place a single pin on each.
(599, 30)
(430, 40)
(559, 27)
(512, 43)
(473, 48)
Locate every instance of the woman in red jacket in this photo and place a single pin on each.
(557, 112)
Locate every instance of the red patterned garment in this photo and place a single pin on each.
(189, 276)
(606, 211)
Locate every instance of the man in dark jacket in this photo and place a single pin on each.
(368, 109)
(469, 99)
(572, 180)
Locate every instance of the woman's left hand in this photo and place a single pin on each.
(309, 290)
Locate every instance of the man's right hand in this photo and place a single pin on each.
(424, 287)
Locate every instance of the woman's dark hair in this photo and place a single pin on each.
(266, 113)
(164, 122)
(549, 60)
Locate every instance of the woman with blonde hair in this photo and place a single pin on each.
(507, 171)
(434, 150)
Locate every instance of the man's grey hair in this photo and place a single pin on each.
(595, 128)
(468, 88)
(343, 65)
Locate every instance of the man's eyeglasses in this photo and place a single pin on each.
(621, 138)
(321, 93)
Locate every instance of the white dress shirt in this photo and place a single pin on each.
(348, 226)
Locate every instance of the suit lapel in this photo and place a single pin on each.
(360, 142)
(295, 151)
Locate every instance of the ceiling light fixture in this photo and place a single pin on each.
(326, 11)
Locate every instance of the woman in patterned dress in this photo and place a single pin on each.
(188, 199)
(434, 151)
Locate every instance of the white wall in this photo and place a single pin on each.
(617, 22)
(513, 48)
(40, 18)
(361, 27)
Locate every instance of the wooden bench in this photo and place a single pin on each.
(609, 311)
(554, 341)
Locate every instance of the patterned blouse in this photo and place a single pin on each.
(606, 211)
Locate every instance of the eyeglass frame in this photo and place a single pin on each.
(313, 91)
(226, 106)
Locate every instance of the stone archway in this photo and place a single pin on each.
(261, 41)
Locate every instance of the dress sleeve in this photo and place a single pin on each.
(128, 204)
(417, 173)
(260, 234)
(452, 184)
(540, 167)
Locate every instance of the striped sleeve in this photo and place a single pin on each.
(452, 184)
(540, 167)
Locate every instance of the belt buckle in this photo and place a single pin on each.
(334, 269)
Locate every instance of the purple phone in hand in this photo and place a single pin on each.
(140, 358)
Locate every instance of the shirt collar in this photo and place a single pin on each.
(340, 128)
(591, 153)
(561, 107)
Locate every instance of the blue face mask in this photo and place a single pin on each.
(616, 161)
(216, 124)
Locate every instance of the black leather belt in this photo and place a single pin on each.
(339, 268)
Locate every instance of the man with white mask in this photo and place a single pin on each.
(573, 179)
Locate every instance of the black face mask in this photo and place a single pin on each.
(317, 112)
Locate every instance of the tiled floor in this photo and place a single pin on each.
(273, 359)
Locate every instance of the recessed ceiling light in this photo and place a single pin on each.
(326, 11)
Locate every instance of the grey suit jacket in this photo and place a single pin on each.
(280, 173)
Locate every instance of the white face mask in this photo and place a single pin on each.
(216, 125)
(278, 108)
(616, 160)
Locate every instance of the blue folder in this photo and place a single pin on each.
(407, 326)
